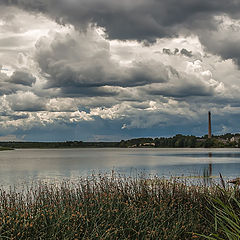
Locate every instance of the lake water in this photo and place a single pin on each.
(27, 165)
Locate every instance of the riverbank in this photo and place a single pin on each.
(110, 208)
(179, 141)
(6, 148)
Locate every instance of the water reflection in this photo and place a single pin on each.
(204, 155)
(207, 172)
(27, 165)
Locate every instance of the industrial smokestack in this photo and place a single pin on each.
(209, 125)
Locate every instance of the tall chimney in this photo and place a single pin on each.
(209, 125)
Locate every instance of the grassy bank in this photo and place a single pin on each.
(109, 208)
(6, 148)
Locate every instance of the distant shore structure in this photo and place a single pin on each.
(209, 125)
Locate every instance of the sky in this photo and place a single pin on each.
(106, 70)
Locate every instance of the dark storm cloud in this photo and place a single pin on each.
(14, 116)
(229, 48)
(184, 91)
(23, 78)
(143, 20)
(26, 102)
(5, 86)
(86, 91)
(182, 86)
(87, 66)
(19, 81)
(89, 81)
(35, 107)
(135, 19)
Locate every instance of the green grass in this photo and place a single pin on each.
(109, 208)
(226, 215)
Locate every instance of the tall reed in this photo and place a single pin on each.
(103, 207)
(226, 216)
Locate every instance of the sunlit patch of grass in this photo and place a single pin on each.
(104, 207)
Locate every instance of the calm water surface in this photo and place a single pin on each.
(27, 165)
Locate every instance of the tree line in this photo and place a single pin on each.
(178, 141)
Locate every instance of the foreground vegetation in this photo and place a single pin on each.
(111, 208)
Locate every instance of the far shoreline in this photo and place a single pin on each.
(228, 140)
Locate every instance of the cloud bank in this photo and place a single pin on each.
(117, 69)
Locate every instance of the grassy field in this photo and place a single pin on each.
(111, 208)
